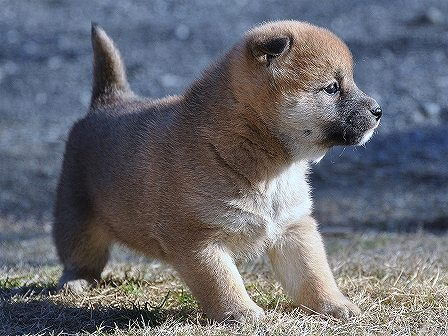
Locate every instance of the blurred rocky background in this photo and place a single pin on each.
(399, 181)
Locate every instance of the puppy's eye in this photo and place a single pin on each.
(332, 89)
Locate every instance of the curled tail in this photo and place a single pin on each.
(109, 73)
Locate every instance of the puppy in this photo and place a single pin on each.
(216, 174)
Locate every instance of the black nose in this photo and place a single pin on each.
(377, 112)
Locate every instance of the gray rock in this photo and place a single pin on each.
(435, 16)
(182, 32)
(432, 110)
(170, 81)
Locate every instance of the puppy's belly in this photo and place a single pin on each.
(137, 233)
(246, 227)
(142, 218)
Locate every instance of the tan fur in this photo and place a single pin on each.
(217, 174)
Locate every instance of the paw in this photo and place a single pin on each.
(338, 307)
(244, 315)
(75, 286)
(342, 309)
(73, 283)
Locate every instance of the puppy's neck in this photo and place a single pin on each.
(236, 137)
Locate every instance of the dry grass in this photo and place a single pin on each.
(399, 281)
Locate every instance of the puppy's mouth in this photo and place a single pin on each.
(350, 133)
(366, 137)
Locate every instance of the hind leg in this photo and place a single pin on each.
(81, 243)
(84, 256)
(83, 250)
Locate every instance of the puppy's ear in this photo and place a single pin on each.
(266, 49)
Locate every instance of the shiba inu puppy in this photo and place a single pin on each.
(218, 173)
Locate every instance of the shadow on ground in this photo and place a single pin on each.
(37, 313)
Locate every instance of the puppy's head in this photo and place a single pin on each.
(298, 78)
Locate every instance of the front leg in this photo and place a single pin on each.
(300, 264)
(213, 277)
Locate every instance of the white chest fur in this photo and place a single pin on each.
(274, 204)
